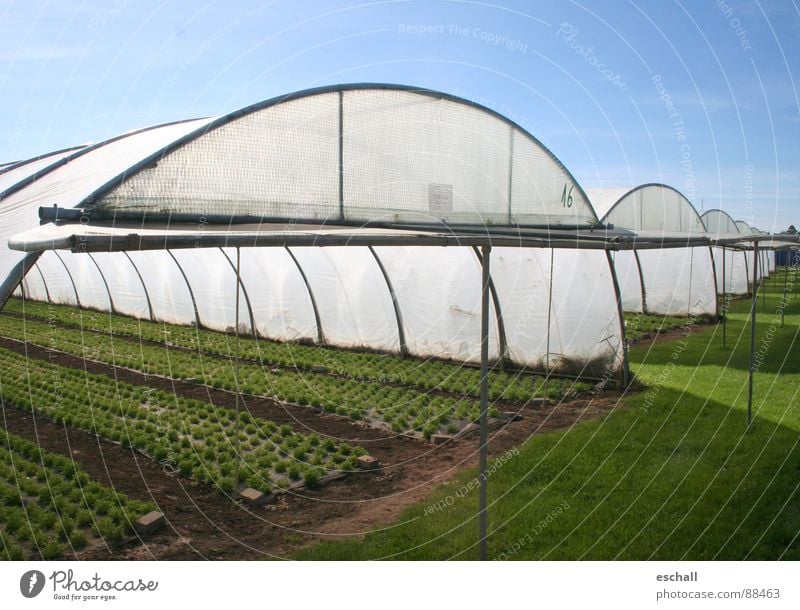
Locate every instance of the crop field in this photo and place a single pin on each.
(402, 394)
(48, 505)
(108, 417)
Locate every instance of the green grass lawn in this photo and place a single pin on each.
(674, 473)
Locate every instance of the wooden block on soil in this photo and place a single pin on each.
(253, 496)
(149, 523)
(367, 462)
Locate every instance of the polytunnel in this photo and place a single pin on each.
(675, 281)
(730, 263)
(763, 263)
(367, 157)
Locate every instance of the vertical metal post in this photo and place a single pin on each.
(341, 154)
(484, 418)
(236, 371)
(785, 300)
(753, 308)
(724, 305)
(762, 285)
(549, 321)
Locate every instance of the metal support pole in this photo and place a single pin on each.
(724, 305)
(785, 300)
(549, 321)
(236, 371)
(753, 308)
(484, 418)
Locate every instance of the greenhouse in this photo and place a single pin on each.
(675, 281)
(730, 264)
(764, 266)
(383, 164)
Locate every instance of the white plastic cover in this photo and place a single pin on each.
(278, 295)
(676, 282)
(439, 290)
(59, 284)
(735, 266)
(166, 287)
(354, 301)
(679, 281)
(406, 156)
(213, 282)
(721, 226)
(127, 290)
(630, 282)
(69, 184)
(22, 171)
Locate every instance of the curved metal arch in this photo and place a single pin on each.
(144, 286)
(720, 211)
(621, 317)
(320, 334)
(16, 275)
(659, 185)
(71, 279)
(105, 283)
(236, 114)
(498, 311)
(244, 292)
(189, 288)
(395, 303)
(641, 281)
(44, 283)
(23, 162)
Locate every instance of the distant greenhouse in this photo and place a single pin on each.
(676, 281)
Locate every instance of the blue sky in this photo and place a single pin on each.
(702, 95)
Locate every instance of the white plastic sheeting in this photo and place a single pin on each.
(68, 184)
(730, 261)
(438, 290)
(278, 295)
(354, 302)
(168, 291)
(27, 169)
(676, 282)
(629, 278)
(360, 154)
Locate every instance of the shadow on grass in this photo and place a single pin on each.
(772, 341)
(682, 479)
